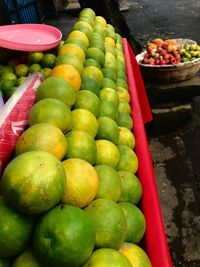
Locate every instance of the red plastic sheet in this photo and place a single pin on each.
(14, 115)
(155, 238)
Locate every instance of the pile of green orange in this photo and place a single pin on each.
(70, 194)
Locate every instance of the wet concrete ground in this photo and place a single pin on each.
(176, 155)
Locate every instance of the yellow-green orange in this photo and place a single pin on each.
(79, 35)
(87, 100)
(34, 182)
(26, 259)
(71, 48)
(51, 111)
(21, 70)
(109, 221)
(69, 73)
(48, 60)
(108, 83)
(109, 183)
(107, 257)
(93, 73)
(15, 230)
(123, 94)
(135, 254)
(35, 57)
(136, 224)
(81, 145)
(107, 153)
(125, 120)
(128, 159)
(82, 182)
(126, 137)
(110, 95)
(108, 130)
(84, 120)
(108, 110)
(45, 137)
(70, 59)
(90, 84)
(58, 88)
(131, 188)
(124, 107)
(109, 73)
(97, 54)
(92, 62)
(71, 237)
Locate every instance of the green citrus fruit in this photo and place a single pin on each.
(108, 83)
(92, 62)
(73, 48)
(6, 85)
(84, 120)
(20, 81)
(87, 18)
(108, 130)
(45, 137)
(90, 84)
(109, 221)
(58, 88)
(48, 61)
(6, 69)
(128, 159)
(93, 73)
(136, 224)
(88, 11)
(125, 120)
(21, 70)
(26, 259)
(107, 257)
(8, 76)
(34, 182)
(64, 236)
(82, 182)
(109, 183)
(35, 68)
(108, 110)
(97, 54)
(81, 145)
(119, 38)
(110, 61)
(121, 75)
(46, 72)
(51, 111)
(131, 188)
(109, 73)
(123, 94)
(122, 83)
(87, 100)
(10, 92)
(107, 153)
(15, 230)
(70, 59)
(126, 137)
(110, 95)
(110, 49)
(124, 107)
(76, 34)
(35, 57)
(135, 254)
(98, 43)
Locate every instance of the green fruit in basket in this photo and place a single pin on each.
(193, 47)
(110, 186)
(35, 57)
(21, 70)
(126, 137)
(15, 230)
(5, 69)
(135, 254)
(6, 85)
(110, 95)
(20, 81)
(108, 130)
(125, 120)
(35, 68)
(109, 221)
(48, 61)
(131, 187)
(136, 224)
(107, 257)
(8, 76)
(34, 182)
(45, 72)
(26, 259)
(65, 236)
(128, 159)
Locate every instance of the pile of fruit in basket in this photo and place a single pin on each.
(70, 193)
(167, 52)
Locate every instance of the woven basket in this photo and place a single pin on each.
(170, 73)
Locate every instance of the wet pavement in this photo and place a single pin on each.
(176, 154)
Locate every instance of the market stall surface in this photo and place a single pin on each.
(175, 155)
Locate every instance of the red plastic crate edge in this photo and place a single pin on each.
(155, 238)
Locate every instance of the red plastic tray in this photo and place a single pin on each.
(155, 239)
